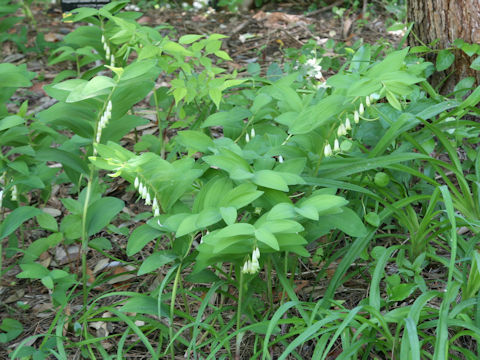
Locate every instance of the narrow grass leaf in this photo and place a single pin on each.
(441, 343)
(288, 289)
(136, 330)
(340, 168)
(273, 323)
(346, 322)
(414, 344)
(308, 333)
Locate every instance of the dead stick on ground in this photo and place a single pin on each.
(325, 8)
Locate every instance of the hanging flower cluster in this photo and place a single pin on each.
(346, 126)
(200, 4)
(108, 55)
(132, 7)
(252, 266)
(145, 194)
(251, 136)
(314, 69)
(106, 116)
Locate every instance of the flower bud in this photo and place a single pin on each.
(280, 159)
(254, 266)
(246, 267)
(256, 253)
(327, 150)
(367, 101)
(356, 117)
(247, 138)
(348, 126)
(14, 193)
(136, 183)
(336, 146)
(361, 109)
(252, 133)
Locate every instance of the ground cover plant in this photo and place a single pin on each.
(268, 213)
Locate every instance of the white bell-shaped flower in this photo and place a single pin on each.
(327, 150)
(336, 146)
(356, 117)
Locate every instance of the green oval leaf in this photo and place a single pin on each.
(101, 212)
(444, 60)
(16, 218)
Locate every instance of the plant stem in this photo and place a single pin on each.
(268, 271)
(84, 248)
(77, 61)
(239, 317)
(176, 283)
(172, 307)
(160, 124)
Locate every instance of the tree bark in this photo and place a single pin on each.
(447, 20)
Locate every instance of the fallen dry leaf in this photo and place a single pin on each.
(278, 19)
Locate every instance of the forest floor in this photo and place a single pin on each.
(260, 36)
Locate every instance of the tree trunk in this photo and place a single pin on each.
(447, 20)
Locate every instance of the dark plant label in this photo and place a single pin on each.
(69, 5)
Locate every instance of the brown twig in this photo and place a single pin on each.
(325, 8)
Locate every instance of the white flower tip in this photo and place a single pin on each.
(148, 199)
(14, 193)
(356, 117)
(361, 109)
(327, 150)
(348, 126)
(336, 146)
(280, 159)
(246, 267)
